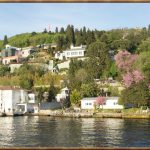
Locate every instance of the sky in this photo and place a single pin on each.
(16, 18)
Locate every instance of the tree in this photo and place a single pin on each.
(113, 70)
(144, 46)
(4, 70)
(75, 97)
(40, 93)
(143, 64)
(51, 92)
(70, 35)
(90, 38)
(45, 30)
(5, 40)
(60, 42)
(65, 103)
(62, 30)
(89, 90)
(26, 82)
(125, 61)
(100, 101)
(137, 94)
(98, 59)
(56, 30)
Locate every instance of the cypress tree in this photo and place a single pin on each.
(5, 40)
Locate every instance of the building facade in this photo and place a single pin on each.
(73, 52)
(110, 103)
(10, 97)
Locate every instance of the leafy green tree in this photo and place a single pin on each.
(113, 70)
(137, 94)
(144, 46)
(75, 97)
(26, 82)
(51, 92)
(89, 90)
(90, 37)
(143, 64)
(98, 59)
(4, 70)
(40, 93)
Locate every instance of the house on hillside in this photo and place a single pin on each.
(11, 59)
(64, 93)
(110, 103)
(14, 66)
(11, 54)
(26, 51)
(73, 52)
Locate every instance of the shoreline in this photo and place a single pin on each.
(88, 114)
(95, 115)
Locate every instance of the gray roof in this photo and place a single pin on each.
(94, 98)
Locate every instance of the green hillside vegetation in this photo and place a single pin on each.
(81, 74)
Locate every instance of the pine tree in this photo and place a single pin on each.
(56, 30)
(51, 92)
(62, 30)
(5, 40)
(70, 35)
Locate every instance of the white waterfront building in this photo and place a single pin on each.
(10, 97)
(110, 103)
(14, 101)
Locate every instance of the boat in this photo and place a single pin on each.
(2, 114)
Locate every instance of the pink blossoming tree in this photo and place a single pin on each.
(100, 101)
(125, 62)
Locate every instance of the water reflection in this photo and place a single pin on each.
(70, 132)
(113, 131)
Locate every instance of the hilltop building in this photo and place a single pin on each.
(73, 52)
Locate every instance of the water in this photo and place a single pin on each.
(47, 131)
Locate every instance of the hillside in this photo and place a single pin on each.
(115, 39)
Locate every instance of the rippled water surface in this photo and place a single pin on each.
(68, 132)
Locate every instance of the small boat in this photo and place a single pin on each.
(18, 113)
(2, 114)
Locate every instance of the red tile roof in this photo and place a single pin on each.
(9, 88)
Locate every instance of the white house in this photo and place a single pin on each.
(63, 94)
(10, 97)
(59, 55)
(64, 65)
(110, 103)
(14, 66)
(14, 100)
(26, 51)
(73, 52)
(88, 103)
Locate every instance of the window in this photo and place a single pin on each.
(80, 53)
